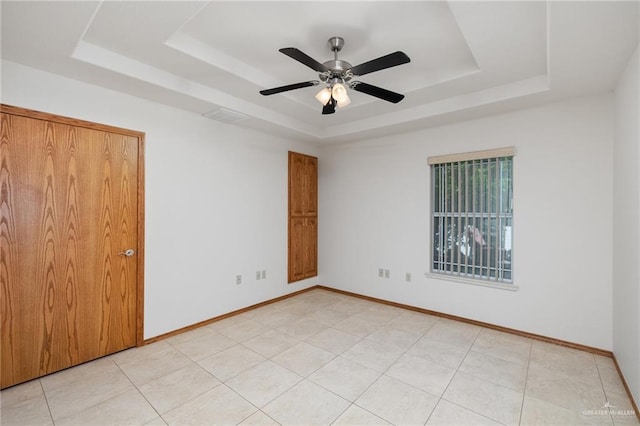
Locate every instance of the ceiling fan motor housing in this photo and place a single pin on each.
(338, 68)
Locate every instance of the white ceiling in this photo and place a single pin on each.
(468, 59)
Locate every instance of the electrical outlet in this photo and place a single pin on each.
(258, 275)
(264, 274)
(386, 273)
(407, 277)
(381, 273)
(238, 279)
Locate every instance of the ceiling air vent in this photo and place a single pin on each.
(226, 115)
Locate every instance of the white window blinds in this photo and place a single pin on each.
(472, 215)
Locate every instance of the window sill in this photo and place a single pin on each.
(468, 281)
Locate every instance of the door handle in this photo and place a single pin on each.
(127, 253)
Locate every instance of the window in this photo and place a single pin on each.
(472, 215)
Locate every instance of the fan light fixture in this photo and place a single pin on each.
(337, 74)
(338, 92)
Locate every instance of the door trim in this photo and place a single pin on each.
(39, 115)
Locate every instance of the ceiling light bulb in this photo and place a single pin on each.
(324, 95)
(339, 92)
(344, 101)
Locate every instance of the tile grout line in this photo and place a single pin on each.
(137, 389)
(265, 360)
(303, 378)
(268, 402)
(117, 395)
(351, 403)
(579, 381)
(335, 356)
(260, 409)
(441, 397)
(249, 402)
(446, 387)
(380, 373)
(526, 379)
(393, 363)
(604, 391)
(46, 399)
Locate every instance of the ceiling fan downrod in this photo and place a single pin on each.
(338, 69)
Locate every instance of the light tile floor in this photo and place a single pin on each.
(326, 358)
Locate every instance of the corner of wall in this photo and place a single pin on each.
(626, 230)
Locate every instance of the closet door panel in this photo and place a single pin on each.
(303, 216)
(296, 185)
(69, 206)
(296, 249)
(310, 187)
(310, 244)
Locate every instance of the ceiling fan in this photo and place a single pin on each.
(338, 73)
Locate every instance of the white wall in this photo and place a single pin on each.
(216, 199)
(216, 207)
(626, 227)
(374, 213)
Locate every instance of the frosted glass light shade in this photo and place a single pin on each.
(324, 95)
(344, 101)
(339, 93)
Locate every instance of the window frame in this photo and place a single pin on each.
(463, 215)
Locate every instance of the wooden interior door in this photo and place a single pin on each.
(71, 204)
(303, 216)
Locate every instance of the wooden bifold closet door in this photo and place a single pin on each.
(71, 206)
(303, 216)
